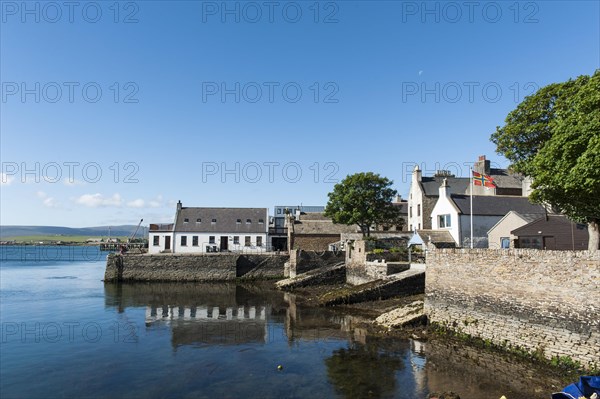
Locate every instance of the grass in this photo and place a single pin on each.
(54, 238)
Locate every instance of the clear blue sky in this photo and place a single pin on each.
(384, 85)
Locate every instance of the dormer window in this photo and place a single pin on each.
(214, 221)
(248, 221)
(261, 221)
(198, 220)
(186, 220)
(239, 221)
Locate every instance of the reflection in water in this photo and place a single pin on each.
(363, 371)
(202, 313)
(228, 313)
(321, 323)
(211, 325)
(246, 318)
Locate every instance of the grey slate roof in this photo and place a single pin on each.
(403, 207)
(530, 217)
(503, 179)
(226, 220)
(557, 221)
(495, 205)
(460, 185)
(431, 185)
(436, 236)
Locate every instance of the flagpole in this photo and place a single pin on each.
(471, 186)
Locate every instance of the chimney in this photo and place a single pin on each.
(398, 199)
(178, 205)
(444, 188)
(417, 175)
(482, 165)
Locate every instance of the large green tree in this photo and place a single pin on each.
(553, 136)
(363, 199)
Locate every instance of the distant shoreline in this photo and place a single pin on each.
(49, 244)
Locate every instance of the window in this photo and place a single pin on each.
(410, 228)
(504, 242)
(259, 241)
(155, 240)
(186, 220)
(198, 220)
(183, 241)
(247, 241)
(444, 221)
(248, 221)
(239, 221)
(211, 239)
(236, 240)
(530, 242)
(194, 241)
(410, 211)
(279, 211)
(214, 221)
(418, 209)
(261, 221)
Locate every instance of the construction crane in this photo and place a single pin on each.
(136, 230)
(125, 248)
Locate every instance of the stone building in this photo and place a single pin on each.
(278, 232)
(313, 231)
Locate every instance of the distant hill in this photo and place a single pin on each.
(99, 231)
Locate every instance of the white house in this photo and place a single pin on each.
(200, 230)
(452, 212)
(423, 193)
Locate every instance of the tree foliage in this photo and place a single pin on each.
(554, 137)
(528, 127)
(364, 199)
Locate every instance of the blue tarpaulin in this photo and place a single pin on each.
(586, 387)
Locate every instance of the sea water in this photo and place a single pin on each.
(66, 334)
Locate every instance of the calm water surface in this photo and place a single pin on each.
(65, 334)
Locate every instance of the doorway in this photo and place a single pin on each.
(224, 243)
(167, 242)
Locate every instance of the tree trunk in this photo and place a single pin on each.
(363, 230)
(594, 232)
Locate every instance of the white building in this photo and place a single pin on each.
(423, 193)
(452, 212)
(200, 230)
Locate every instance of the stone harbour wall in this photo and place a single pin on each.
(302, 261)
(205, 267)
(544, 301)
